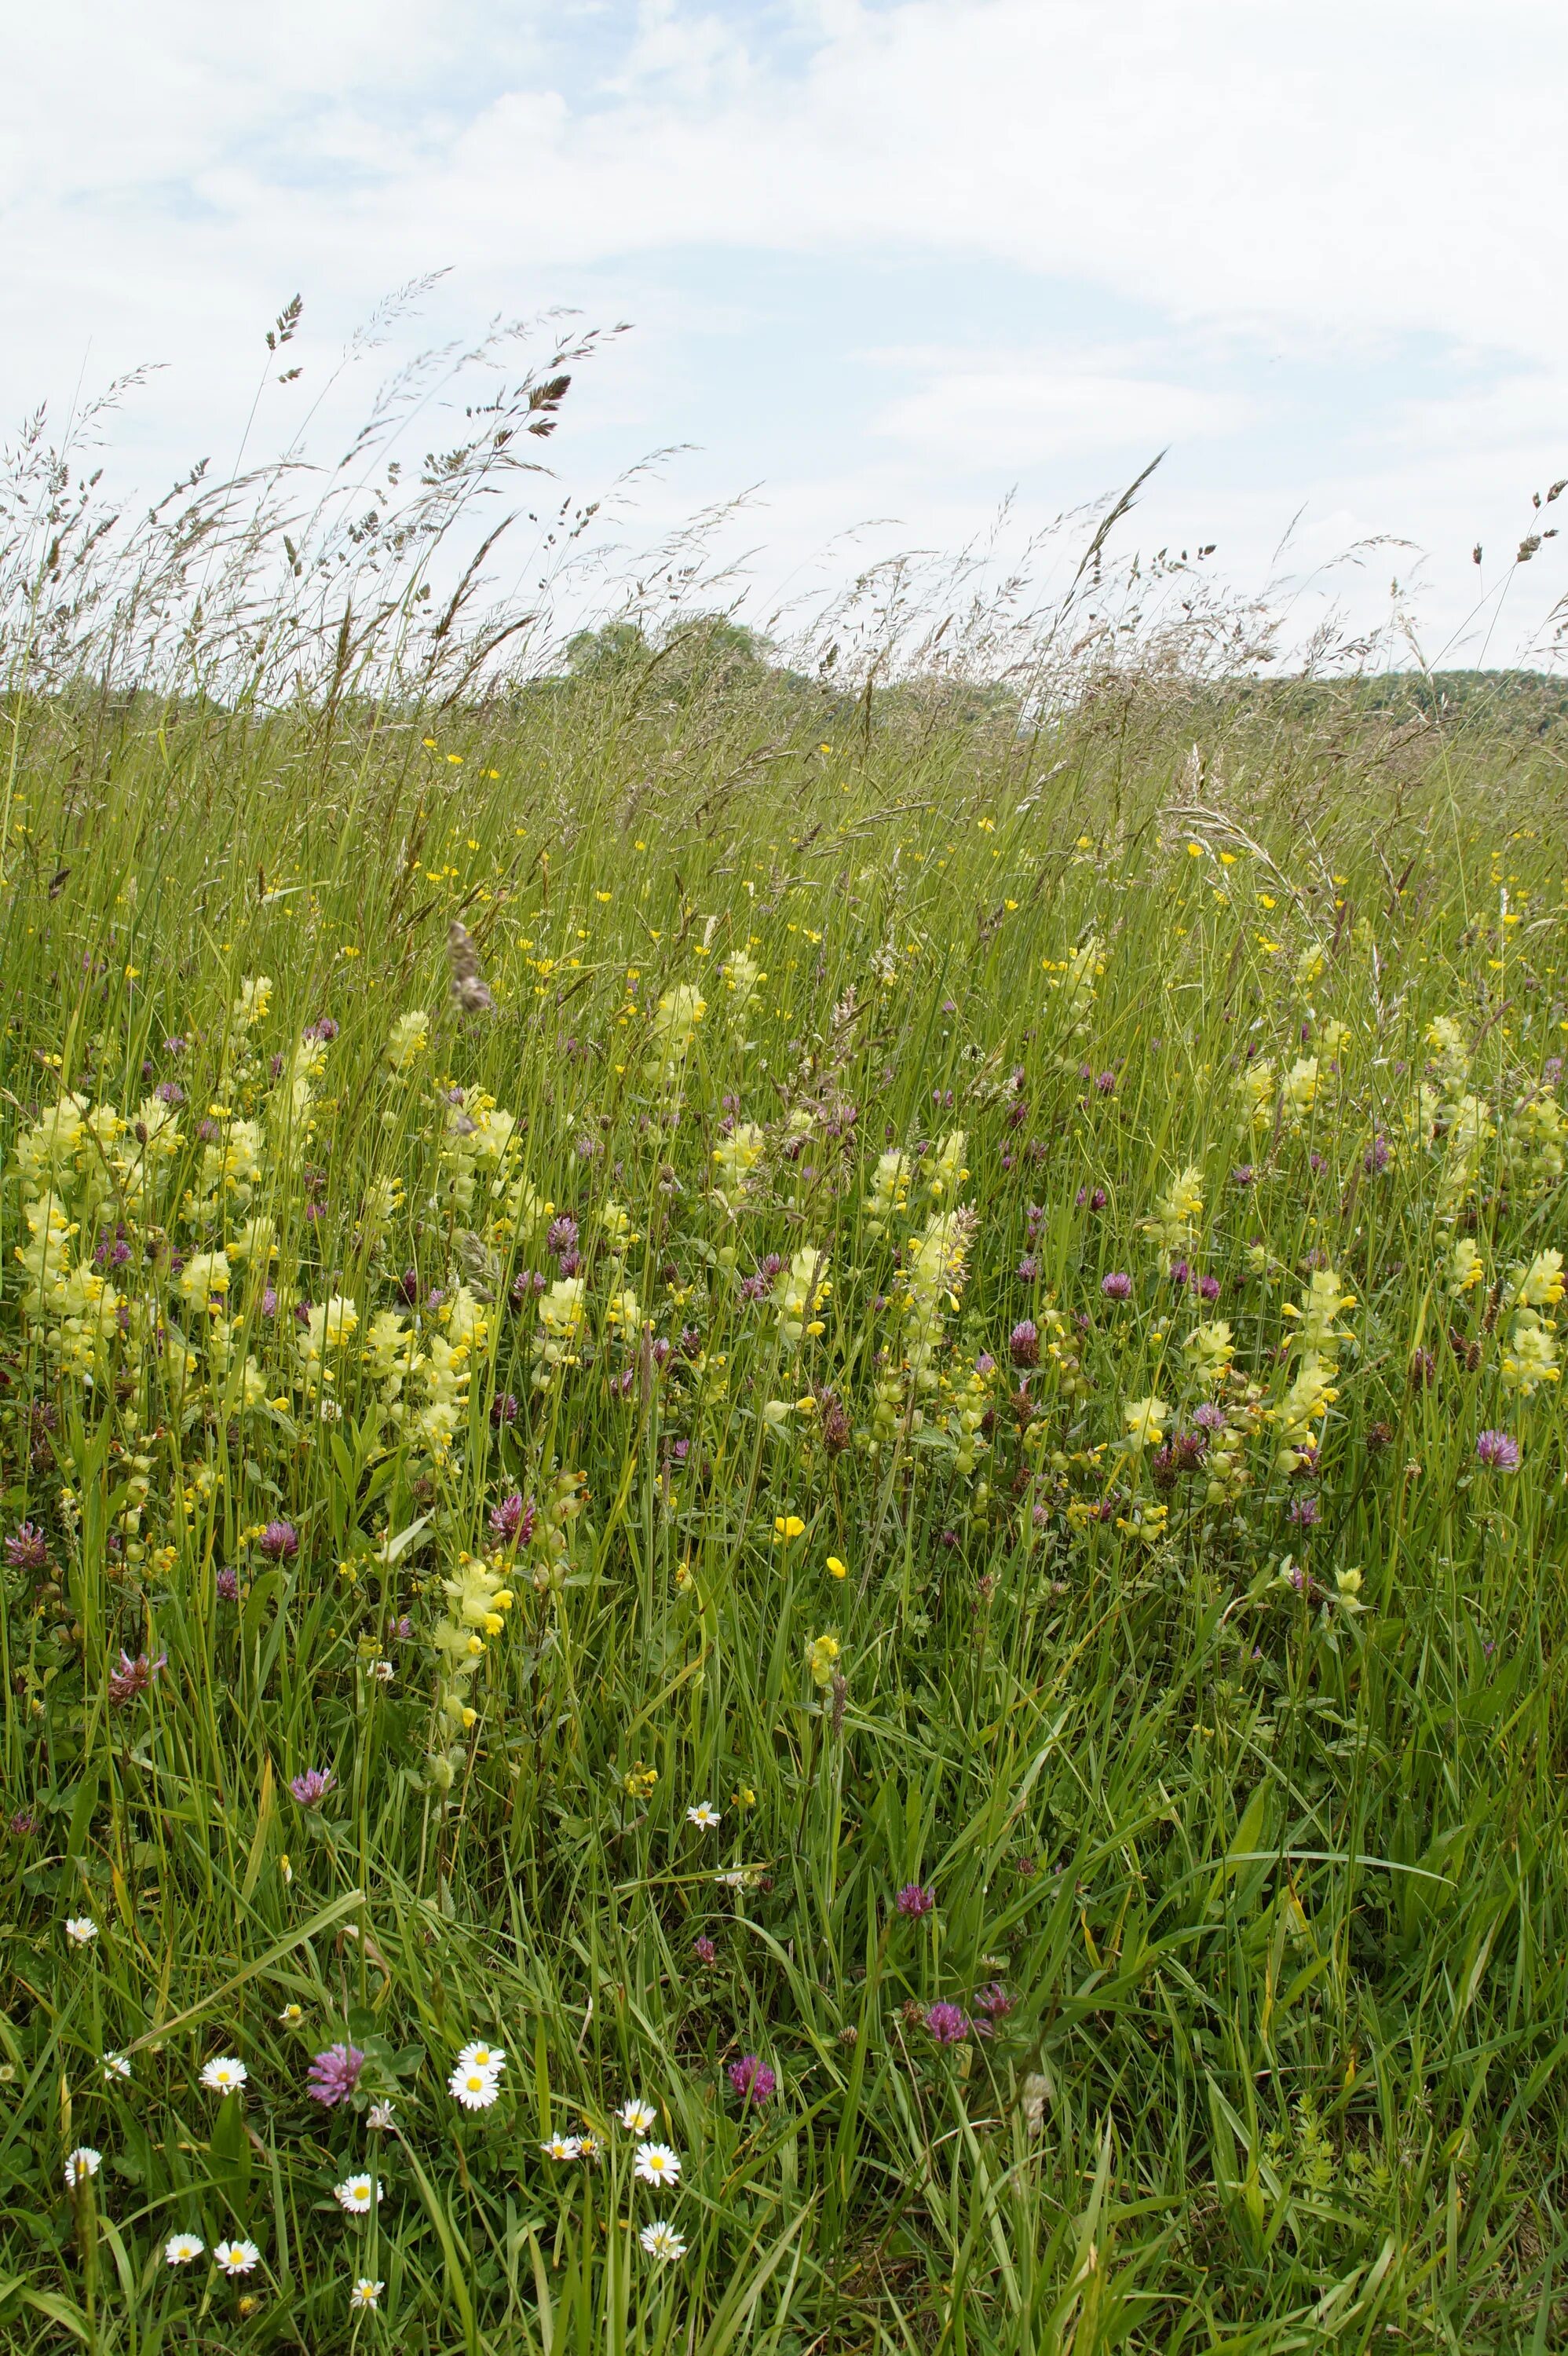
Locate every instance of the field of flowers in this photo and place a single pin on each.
(784, 1530)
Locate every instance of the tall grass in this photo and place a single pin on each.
(1226, 1748)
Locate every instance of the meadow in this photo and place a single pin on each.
(783, 1517)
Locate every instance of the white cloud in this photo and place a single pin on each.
(1022, 415)
(1269, 188)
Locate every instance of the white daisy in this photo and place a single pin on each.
(662, 2240)
(656, 2164)
(236, 2257)
(560, 2146)
(81, 2164)
(355, 2194)
(223, 2074)
(704, 1816)
(116, 2065)
(476, 2089)
(181, 2249)
(637, 2115)
(81, 1929)
(480, 2056)
(365, 2293)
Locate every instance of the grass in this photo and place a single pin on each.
(1226, 1747)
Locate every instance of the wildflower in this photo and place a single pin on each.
(357, 2194)
(1499, 1451)
(280, 1542)
(133, 1678)
(365, 2293)
(475, 2088)
(703, 1948)
(948, 2023)
(81, 1929)
(408, 1039)
(224, 2075)
(334, 2075)
(228, 1585)
(704, 1816)
(378, 2118)
(26, 1548)
(312, 1787)
(1541, 1285)
(81, 2164)
(477, 2055)
(837, 1568)
(1117, 1286)
(512, 1521)
(116, 2065)
(786, 1527)
(636, 2116)
(993, 2000)
(560, 2146)
(183, 2249)
(1144, 1419)
(661, 2241)
(236, 2257)
(1023, 1342)
(656, 2163)
(753, 2080)
(1306, 1513)
(915, 1899)
(1177, 1212)
(822, 1660)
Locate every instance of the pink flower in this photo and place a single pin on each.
(335, 2074)
(752, 2079)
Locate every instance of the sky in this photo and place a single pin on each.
(886, 264)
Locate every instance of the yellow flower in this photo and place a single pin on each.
(837, 1570)
(822, 1660)
(786, 1527)
(1145, 1420)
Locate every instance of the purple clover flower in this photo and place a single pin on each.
(948, 2023)
(915, 1899)
(335, 2074)
(26, 1548)
(753, 2080)
(993, 2000)
(703, 1948)
(1306, 1513)
(1117, 1286)
(1023, 1342)
(229, 1585)
(310, 1788)
(1499, 1449)
(280, 1541)
(503, 1409)
(512, 1521)
(131, 1680)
